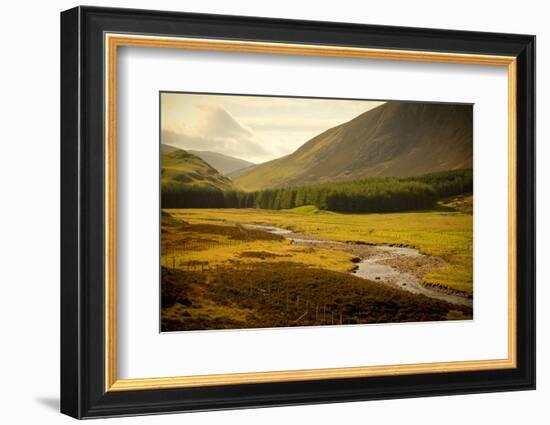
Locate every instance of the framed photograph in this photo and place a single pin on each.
(261, 212)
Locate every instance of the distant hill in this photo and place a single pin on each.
(180, 168)
(223, 163)
(394, 139)
(168, 148)
(237, 173)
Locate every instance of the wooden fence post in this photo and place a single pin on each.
(287, 298)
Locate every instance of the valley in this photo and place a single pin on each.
(369, 221)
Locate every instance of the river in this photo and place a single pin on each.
(373, 266)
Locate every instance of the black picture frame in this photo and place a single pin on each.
(83, 392)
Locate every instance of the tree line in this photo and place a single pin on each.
(373, 194)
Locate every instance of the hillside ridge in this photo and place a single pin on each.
(392, 140)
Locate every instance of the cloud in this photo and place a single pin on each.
(217, 122)
(215, 129)
(287, 124)
(255, 128)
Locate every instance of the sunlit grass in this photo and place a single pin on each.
(221, 250)
(444, 233)
(282, 252)
(206, 309)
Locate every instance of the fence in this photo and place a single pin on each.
(293, 306)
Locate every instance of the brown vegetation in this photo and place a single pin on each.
(287, 294)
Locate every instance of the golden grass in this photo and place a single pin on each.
(444, 233)
(206, 308)
(229, 251)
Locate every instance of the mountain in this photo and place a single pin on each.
(237, 173)
(394, 139)
(168, 148)
(181, 168)
(223, 163)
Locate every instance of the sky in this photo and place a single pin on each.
(253, 128)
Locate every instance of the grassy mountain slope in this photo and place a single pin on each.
(394, 139)
(180, 168)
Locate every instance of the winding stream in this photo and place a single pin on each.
(371, 267)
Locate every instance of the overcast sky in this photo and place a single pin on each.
(253, 128)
